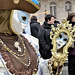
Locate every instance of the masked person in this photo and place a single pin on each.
(19, 56)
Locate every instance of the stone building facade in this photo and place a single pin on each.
(59, 8)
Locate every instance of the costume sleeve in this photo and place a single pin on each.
(3, 67)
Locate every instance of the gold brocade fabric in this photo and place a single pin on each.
(5, 22)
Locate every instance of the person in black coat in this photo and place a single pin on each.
(34, 26)
(44, 37)
(71, 56)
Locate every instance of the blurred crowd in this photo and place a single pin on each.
(42, 32)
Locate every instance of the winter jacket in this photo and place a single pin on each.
(72, 50)
(45, 41)
(34, 26)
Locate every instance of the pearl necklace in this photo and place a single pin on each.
(16, 55)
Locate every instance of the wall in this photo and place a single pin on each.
(60, 4)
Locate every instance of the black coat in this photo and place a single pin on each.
(45, 41)
(34, 26)
(72, 50)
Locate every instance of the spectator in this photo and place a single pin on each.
(34, 26)
(71, 57)
(44, 37)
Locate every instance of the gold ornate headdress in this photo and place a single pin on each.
(62, 38)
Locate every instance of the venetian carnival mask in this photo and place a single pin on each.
(18, 21)
(61, 40)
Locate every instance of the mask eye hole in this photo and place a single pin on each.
(60, 36)
(24, 18)
(65, 39)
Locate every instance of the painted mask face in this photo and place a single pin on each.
(61, 40)
(23, 18)
(18, 21)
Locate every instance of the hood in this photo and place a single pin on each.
(5, 22)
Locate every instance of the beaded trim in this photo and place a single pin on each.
(10, 65)
(15, 55)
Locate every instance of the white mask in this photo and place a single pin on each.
(18, 21)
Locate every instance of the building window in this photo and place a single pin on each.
(53, 8)
(68, 6)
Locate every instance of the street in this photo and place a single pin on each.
(65, 70)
